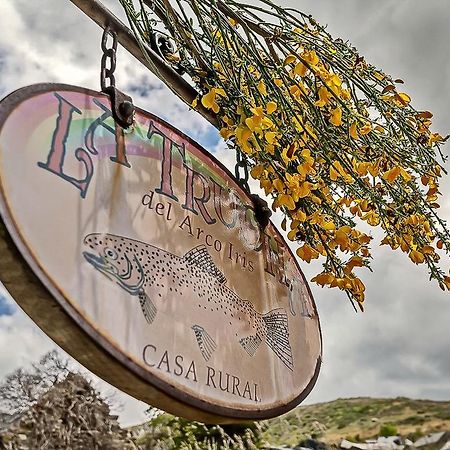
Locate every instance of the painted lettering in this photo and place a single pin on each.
(159, 209)
(236, 382)
(191, 370)
(58, 149)
(222, 386)
(179, 368)
(210, 377)
(166, 186)
(117, 131)
(256, 398)
(145, 354)
(247, 391)
(164, 361)
(187, 223)
(192, 202)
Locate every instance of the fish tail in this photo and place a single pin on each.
(277, 336)
(205, 342)
(148, 307)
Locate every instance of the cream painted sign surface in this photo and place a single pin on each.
(154, 265)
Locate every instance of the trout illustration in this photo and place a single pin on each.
(152, 274)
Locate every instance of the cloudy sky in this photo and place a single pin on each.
(401, 345)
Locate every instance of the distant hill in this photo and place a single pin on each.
(357, 419)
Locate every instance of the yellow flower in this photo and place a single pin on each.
(328, 225)
(271, 107)
(355, 261)
(279, 185)
(307, 253)
(362, 168)
(427, 250)
(405, 175)
(372, 218)
(262, 88)
(391, 175)
(257, 171)
(403, 99)
(353, 131)
(358, 287)
(311, 57)
(285, 200)
(324, 278)
(300, 69)
(270, 137)
(336, 171)
(366, 129)
(289, 59)
(417, 257)
(323, 97)
(334, 174)
(253, 122)
(228, 121)
(435, 137)
(288, 154)
(243, 134)
(374, 169)
(267, 123)
(447, 282)
(266, 184)
(292, 235)
(336, 117)
(299, 215)
(304, 189)
(341, 237)
(306, 156)
(346, 95)
(209, 101)
(226, 133)
(379, 76)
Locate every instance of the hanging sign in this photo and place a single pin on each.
(140, 255)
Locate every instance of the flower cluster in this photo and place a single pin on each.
(333, 140)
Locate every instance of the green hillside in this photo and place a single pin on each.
(358, 419)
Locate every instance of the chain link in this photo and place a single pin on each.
(241, 170)
(108, 64)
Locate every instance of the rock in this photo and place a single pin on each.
(312, 444)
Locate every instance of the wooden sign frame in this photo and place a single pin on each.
(41, 298)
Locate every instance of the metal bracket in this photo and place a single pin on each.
(262, 211)
(122, 107)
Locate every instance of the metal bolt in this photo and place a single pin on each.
(126, 108)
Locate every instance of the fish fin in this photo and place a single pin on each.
(205, 342)
(148, 307)
(200, 257)
(250, 344)
(277, 336)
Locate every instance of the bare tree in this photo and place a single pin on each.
(52, 367)
(23, 387)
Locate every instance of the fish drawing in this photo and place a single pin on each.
(152, 274)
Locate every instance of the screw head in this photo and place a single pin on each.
(126, 108)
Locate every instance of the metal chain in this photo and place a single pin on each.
(108, 64)
(241, 170)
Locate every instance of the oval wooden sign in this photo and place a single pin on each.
(147, 264)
